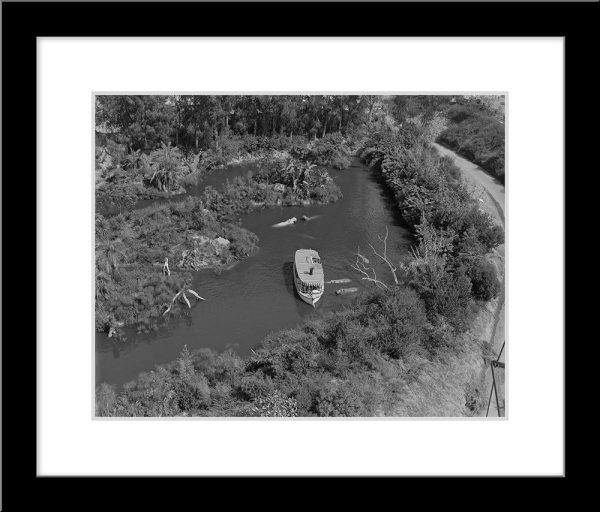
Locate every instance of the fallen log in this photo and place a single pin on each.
(195, 294)
(173, 302)
(187, 301)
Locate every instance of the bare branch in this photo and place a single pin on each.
(384, 256)
(195, 294)
(173, 302)
(360, 266)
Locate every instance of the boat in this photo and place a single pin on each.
(308, 275)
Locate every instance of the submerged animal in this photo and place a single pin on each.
(366, 260)
(288, 222)
(344, 291)
(306, 217)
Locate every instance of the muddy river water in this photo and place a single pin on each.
(257, 295)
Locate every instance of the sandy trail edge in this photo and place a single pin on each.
(491, 322)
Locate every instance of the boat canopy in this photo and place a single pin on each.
(309, 267)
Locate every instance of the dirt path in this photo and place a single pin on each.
(490, 192)
(485, 187)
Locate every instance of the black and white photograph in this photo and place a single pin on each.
(300, 255)
(285, 239)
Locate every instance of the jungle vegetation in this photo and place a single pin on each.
(405, 349)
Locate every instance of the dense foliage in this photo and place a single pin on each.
(476, 136)
(201, 122)
(449, 267)
(379, 356)
(474, 128)
(402, 351)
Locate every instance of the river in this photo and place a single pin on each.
(257, 295)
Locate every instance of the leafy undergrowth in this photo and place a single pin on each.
(380, 356)
(123, 177)
(330, 151)
(476, 136)
(131, 286)
(449, 267)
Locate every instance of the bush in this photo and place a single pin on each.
(330, 151)
(276, 405)
(256, 385)
(446, 292)
(484, 281)
(337, 401)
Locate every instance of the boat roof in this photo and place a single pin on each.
(303, 260)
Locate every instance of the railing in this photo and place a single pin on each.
(495, 365)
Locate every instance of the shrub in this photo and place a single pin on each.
(330, 151)
(256, 385)
(476, 136)
(337, 401)
(275, 404)
(484, 281)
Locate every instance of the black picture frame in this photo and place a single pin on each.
(22, 23)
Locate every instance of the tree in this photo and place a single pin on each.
(141, 122)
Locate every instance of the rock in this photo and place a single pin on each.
(223, 242)
(279, 187)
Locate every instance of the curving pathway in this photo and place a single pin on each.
(486, 187)
(490, 192)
